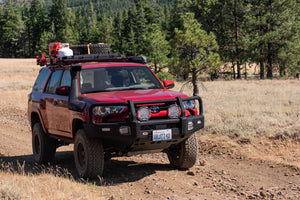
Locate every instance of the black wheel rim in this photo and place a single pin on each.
(81, 155)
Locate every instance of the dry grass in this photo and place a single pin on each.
(46, 185)
(17, 73)
(259, 119)
(252, 108)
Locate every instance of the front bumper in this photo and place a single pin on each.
(140, 136)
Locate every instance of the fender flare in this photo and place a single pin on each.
(37, 111)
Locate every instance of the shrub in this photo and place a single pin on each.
(165, 76)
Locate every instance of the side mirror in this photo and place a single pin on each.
(168, 84)
(63, 90)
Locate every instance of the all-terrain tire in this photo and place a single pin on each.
(184, 154)
(88, 156)
(43, 146)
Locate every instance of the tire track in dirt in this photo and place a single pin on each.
(15, 132)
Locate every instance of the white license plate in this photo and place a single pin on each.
(165, 134)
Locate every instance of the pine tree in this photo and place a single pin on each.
(271, 24)
(80, 28)
(141, 27)
(128, 46)
(43, 43)
(226, 20)
(179, 9)
(105, 30)
(158, 48)
(59, 18)
(118, 26)
(25, 18)
(288, 58)
(12, 29)
(91, 23)
(35, 26)
(166, 17)
(195, 50)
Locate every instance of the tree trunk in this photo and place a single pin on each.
(238, 67)
(262, 68)
(282, 70)
(269, 66)
(261, 46)
(245, 71)
(269, 71)
(194, 81)
(185, 76)
(233, 71)
(237, 50)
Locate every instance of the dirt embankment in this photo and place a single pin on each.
(261, 165)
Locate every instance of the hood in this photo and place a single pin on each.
(134, 95)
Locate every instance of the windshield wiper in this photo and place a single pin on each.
(138, 88)
(94, 91)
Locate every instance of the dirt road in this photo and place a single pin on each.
(228, 168)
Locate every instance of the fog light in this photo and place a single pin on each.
(174, 111)
(143, 113)
(190, 125)
(124, 130)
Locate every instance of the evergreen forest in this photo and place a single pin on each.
(189, 37)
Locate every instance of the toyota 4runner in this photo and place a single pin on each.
(110, 105)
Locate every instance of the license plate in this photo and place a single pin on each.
(165, 134)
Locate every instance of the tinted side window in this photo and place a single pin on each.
(66, 79)
(54, 82)
(41, 79)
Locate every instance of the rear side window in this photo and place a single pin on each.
(66, 79)
(54, 82)
(41, 79)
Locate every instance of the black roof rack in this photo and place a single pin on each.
(84, 53)
(67, 60)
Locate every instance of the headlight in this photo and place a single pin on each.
(189, 104)
(143, 113)
(174, 111)
(101, 111)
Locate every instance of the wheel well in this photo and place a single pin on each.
(34, 118)
(76, 125)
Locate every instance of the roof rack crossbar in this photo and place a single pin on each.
(90, 58)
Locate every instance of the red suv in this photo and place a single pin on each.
(113, 107)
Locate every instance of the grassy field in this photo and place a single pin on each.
(259, 118)
(251, 108)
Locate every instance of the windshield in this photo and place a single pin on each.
(117, 79)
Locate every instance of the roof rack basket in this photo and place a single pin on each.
(85, 53)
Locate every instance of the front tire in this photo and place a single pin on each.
(88, 156)
(43, 146)
(184, 154)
